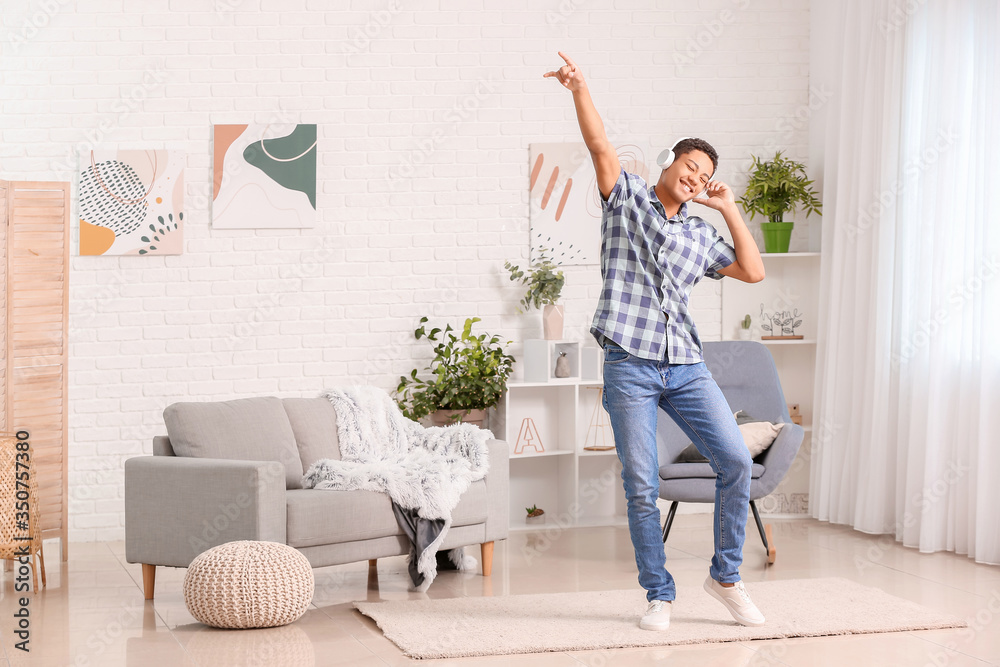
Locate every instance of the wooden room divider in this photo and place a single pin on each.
(34, 239)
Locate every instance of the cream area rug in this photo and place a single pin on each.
(457, 627)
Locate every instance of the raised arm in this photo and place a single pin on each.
(601, 151)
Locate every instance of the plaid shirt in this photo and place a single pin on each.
(649, 264)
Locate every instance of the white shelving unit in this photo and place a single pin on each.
(549, 466)
(792, 281)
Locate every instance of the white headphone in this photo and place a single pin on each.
(667, 157)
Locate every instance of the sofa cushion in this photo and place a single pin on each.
(245, 429)
(314, 422)
(325, 516)
(686, 470)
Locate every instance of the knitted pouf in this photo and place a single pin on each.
(248, 584)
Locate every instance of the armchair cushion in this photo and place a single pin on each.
(247, 429)
(757, 434)
(702, 470)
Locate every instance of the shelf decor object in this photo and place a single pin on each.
(562, 366)
(745, 328)
(540, 359)
(20, 516)
(34, 337)
(544, 280)
(534, 515)
(581, 485)
(774, 188)
(597, 426)
(780, 325)
(528, 437)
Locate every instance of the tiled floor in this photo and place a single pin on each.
(93, 612)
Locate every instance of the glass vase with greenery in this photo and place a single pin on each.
(468, 372)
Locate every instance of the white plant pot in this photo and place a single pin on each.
(552, 321)
(744, 334)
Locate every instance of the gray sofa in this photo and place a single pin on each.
(231, 470)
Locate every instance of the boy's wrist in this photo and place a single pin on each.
(731, 213)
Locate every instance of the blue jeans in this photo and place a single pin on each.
(634, 390)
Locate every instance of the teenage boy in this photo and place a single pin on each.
(652, 253)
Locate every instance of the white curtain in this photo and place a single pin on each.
(906, 436)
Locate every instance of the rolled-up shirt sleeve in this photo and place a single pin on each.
(619, 193)
(720, 255)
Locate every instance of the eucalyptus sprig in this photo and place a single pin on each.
(778, 186)
(467, 373)
(544, 280)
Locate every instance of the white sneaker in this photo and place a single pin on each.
(737, 601)
(657, 616)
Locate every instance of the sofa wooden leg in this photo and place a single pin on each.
(487, 553)
(148, 580)
(373, 562)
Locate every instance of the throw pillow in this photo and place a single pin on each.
(245, 429)
(758, 436)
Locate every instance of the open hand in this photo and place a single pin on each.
(719, 196)
(569, 75)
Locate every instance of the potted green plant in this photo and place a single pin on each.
(776, 187)
(544, 281)
(535, 515)
(468, 374)
(745, 328)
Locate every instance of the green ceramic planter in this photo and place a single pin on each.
(776, 235)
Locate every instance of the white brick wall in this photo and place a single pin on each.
(425, 112)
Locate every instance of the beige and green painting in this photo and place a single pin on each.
(264, 176)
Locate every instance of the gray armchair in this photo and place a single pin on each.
(745, 372)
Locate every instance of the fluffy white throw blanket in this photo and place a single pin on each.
(420, 468)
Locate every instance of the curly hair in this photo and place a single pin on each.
(685, 146)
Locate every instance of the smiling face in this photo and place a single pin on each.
(687, 176)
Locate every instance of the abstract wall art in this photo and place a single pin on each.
(131, 202)
(264, 176)
(564, 202)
